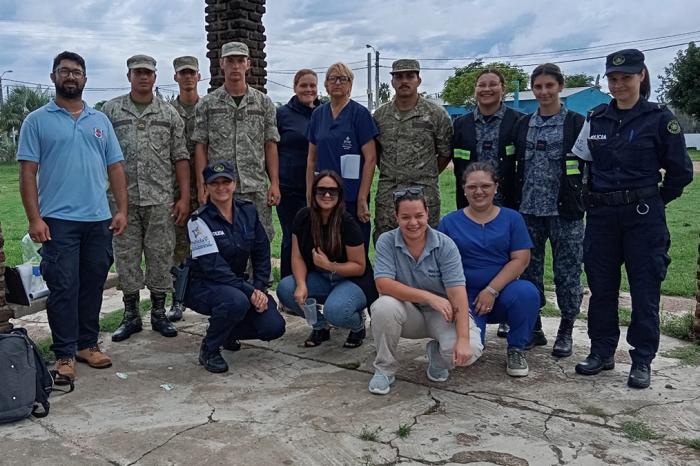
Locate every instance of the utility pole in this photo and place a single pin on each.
(1, 75)
(369, 81)
(376, 79)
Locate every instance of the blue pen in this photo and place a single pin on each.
(631, 135)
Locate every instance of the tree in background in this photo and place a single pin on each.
(99, 105)
(384, 93)
(578, 80)
(680, 86)
(19, 103)
(459, 89)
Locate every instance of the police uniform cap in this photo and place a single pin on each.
(141, 61)
(624, 61)
(219, 169)
(405, 64)
(234, 48)
(186, 63)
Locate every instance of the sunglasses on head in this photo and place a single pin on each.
(412, 191)
(332, 192)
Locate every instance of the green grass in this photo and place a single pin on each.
(688, 355)
(694, 155)
(404, 431)
(683, 222)
(678, 326)
(369, 435)
(691, 442)
(637, 430)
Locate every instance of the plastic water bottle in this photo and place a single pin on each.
(30, 251)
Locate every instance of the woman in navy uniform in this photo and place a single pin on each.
(486, 135)
(627, 142)
(223, 235)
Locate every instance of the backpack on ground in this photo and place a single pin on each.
(25, 382)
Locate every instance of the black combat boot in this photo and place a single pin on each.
(640, 375)
(563, 346)
(212, 360)
(159, 322)
(131, 323)
(175, 312)
(503, 329)
(595, 363)
(537, 338)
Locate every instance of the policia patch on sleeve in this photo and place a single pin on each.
(673, 127)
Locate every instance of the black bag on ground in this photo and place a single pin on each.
(25, 383)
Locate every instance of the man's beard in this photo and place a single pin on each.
(75, 92)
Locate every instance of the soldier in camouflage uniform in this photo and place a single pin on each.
(238, 123)
(151, 135)
(187, 76)
(414, 146)
(549, 182)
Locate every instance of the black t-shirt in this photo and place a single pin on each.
(350, 233)
(351, 236)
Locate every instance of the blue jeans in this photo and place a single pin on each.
(343, 301)
(74, 265)
(292, 201)
(518, 305)
(231, 315)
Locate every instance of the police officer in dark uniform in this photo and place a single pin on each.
(486, 135)
(224, 233)
(627, 142)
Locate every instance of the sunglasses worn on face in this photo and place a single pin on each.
(332, 192)
(413, 191)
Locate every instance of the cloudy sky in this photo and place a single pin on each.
(316, 33)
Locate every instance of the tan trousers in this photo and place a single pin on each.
(393, 319)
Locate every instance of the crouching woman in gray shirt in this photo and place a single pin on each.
(419, 275)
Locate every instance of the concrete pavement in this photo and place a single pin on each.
(282, 404)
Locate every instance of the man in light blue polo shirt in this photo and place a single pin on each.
(419, 275)
(75, 152)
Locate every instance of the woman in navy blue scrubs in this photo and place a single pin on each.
(341, 138)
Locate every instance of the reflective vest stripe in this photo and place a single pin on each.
(462, 154)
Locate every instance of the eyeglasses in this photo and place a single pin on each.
(412, 191)
(332, 192)
(65, 72)
(338, 79)
(472, 188)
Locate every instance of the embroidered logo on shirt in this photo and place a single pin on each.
(673, 127)
(98, 133)
(347, 143)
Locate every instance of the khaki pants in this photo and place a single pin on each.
(393, 319)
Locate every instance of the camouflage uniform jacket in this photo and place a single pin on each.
(238, 133)
(410, 144)
(151, 142)
(187, 116)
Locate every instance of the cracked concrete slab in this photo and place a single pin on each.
(282, 404)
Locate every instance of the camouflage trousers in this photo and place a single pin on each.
(566, 239)
(150, 233)
(182, 243)
(259, 198)
(385, 215)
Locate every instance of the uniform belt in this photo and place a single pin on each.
(629, 196)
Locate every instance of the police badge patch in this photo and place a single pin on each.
(673, 127)
(618, 60)
(98, 133)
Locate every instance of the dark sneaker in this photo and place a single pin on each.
(516, 365)
(595, 363)
(233, 345)
(640, 375)
(212, 360)
(537, 339)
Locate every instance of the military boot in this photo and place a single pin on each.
(563, 346)
(175, 312)
(131, 323)
(159, 322)
(537, 338)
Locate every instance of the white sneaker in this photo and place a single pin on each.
(435, 371)
(380, 384)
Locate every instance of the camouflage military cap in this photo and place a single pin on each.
(141, 61)
(186, 63)
(405, 64)
(219, 169)
(234, 48)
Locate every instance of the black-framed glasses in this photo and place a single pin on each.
(65, 72)
(338, 79)
(322, 192)
(411, 191)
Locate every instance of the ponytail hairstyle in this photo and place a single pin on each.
(645, 86)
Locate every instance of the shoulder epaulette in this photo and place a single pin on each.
(597, 110)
